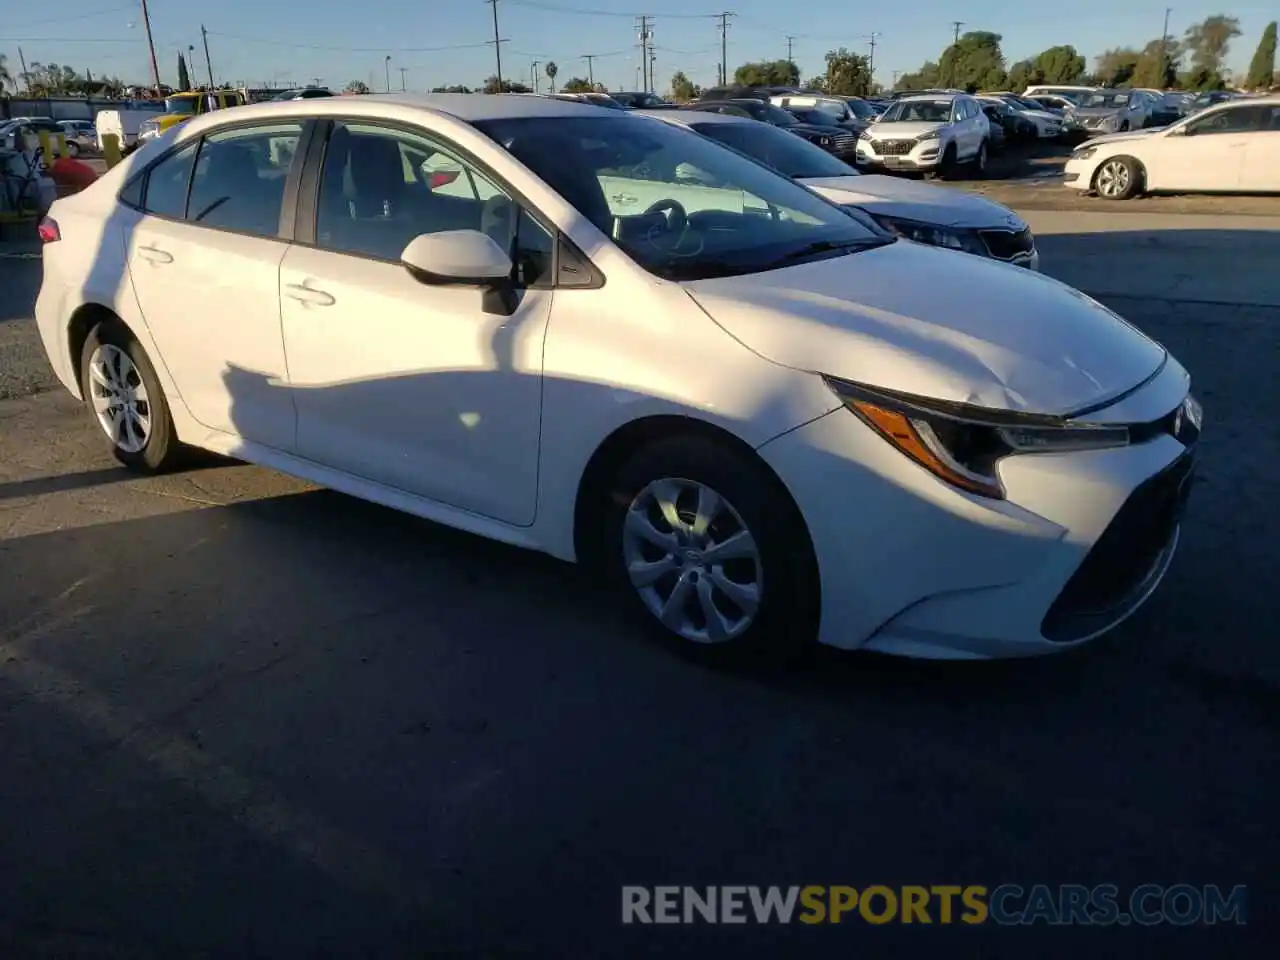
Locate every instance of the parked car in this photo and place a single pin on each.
(824, 118)
(14, 135)
(125, 121)
(1032, 124)
(81, 136)
(181, 107)
(1166, 108)
(1001, 120)
(642, 101)
(829, 137)
(595, 99)
(1113, 111)
(848, 112)
(304, 93)
(1069, 92)
(931, 133)
(1231, 147)
(764, 424)
(918, 211)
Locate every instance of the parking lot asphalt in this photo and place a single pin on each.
(240, 716)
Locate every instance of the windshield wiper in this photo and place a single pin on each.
(826, 246)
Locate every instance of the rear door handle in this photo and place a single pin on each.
(155, 255)
(305, 294)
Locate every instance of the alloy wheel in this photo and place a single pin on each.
(1113, 179)
(692, 560)
(119, 398)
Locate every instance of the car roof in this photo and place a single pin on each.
(930, 96)
(686, 117)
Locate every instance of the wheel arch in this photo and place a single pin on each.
(624, 441)
(1139, 167)
(83, 320)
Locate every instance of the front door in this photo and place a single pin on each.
(1209, 155)
(1260, 172)
(204, 256)
(405, 384)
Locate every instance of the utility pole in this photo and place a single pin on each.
(26, 77)
(403, 87)
(155, 67)
(645, 34)
(653, 59)
(533, 73)
(871, 61)
(1164, 47)
(591, 76)
(790, 59)
(724, 45)
(386, 67)
(956, 25)
(204, 35)
(497, 43)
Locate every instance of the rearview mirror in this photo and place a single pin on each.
(456, 257)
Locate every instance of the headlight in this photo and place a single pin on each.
(962, 445)
(864, 135)
(934, 236)
(1084, 153)
(931, 135)
(824, 141)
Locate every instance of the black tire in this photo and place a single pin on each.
(786, 620)
(1133, 182)
(947, 167)
(161, 451)
(73, 149)
(1124, 126)
(978, 167)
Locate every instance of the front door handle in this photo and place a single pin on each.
(304, 294)
(155, 255)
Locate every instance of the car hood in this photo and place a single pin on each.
(913, 200)
(903, 130)
(1042, 115)
(1119, 137)
(1097, 111)
(938, 324)
(814, 130)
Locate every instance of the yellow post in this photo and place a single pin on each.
(43, 137)
(111, 149)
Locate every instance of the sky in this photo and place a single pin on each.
(291, 42)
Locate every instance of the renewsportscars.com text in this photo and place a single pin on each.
(1007, 904)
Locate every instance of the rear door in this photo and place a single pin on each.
(204, 254)
(1210, 155)
(1260, 171)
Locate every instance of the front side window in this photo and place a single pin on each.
(1231, 120)
(680, 206)
(381, 187)
(181, 106)
(167, 182)
(240, 178)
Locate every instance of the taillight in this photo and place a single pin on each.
(48, 229)
(443, 177)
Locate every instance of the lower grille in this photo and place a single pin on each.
(1008, 244)
(892, 148)
(1116, 572)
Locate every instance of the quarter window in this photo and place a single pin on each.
(167, 181)
(380, 188)
(240, 178)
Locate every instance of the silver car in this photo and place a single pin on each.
(1113, 111)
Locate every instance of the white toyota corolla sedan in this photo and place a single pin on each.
(768, 421)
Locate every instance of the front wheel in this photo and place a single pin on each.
(712, 550)
(980, 160)
(73, 149)
(1118, 178)
(123, 392)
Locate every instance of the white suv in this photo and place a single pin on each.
(932, 133)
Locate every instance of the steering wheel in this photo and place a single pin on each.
(677, 218)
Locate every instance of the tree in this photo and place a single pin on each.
(682, 88)
(1061, 64)
(576, 85)
(6, 78)
(975, 61)
(491, 85)
(551, 70)
(1024, 74)
(456, 88)
(924, 78)
(848, 74)
(767, 73)
(184, 81)
(1201, 79)
(356, 86)
(1115, 67)
(1262, 67)
(1157, 64)
(1209, 41)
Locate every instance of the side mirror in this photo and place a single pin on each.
(464, 258)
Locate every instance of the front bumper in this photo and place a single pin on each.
(1078, 174)
(924, 156)
(910, 566)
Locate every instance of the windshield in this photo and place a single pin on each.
(181, 105)
(771, 114)
(1027, 104)
(785, 152)
(861, 109)
(682, 207)
(1109, 99)
(924, 111)
(816, 117)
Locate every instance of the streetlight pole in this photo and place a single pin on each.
(533, 74)
(387, 66)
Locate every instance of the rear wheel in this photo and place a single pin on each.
(712, 550)
(73, 149)
(124, 394)
(1118, 178)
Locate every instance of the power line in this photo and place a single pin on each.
(316, 46)
(558, 8)
(73, 18)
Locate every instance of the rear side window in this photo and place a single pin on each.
(240, 178)
(166, 188)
